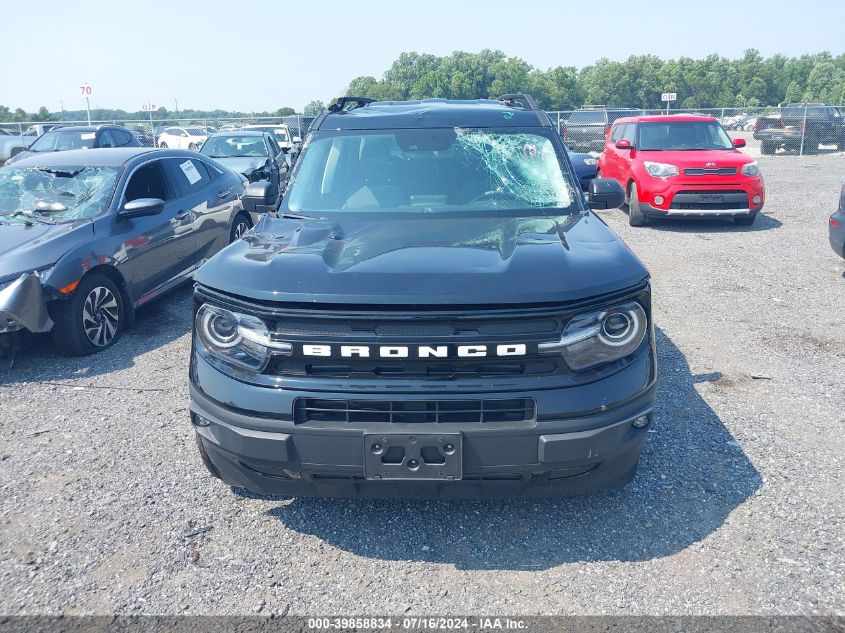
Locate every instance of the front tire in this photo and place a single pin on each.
(192, 147)
(745, 220)
(635, 214)
(162, 145)
(92, 319)
(240, 226)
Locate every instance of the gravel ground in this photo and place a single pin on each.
(737, 507)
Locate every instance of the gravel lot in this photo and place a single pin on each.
(738, 507)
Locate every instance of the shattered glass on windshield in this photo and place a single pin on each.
(429, 170)
(55, 194)
(524, 164)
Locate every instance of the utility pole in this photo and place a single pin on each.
(176, 101)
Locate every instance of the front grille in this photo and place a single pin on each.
(413, 412)
(472, 328)
(714, 199)
(706, 171)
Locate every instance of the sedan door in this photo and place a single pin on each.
(155, 251)
(210, 195)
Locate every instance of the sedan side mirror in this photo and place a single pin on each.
(739, 142)
(142, 207)
(605, 193)
(259, 197)
(624, 144)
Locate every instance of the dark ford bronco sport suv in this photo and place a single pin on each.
(433, 310)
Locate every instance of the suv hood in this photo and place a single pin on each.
(27, 248)
(424, 260)
(697, 158)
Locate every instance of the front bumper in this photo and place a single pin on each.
(583, 439)
(22, 306)
(836, 227)
(700, 199)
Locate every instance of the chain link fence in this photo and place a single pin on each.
(795, 129)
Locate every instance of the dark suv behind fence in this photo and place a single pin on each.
(802, 128)
(585, 129)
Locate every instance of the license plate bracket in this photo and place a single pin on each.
(419, 456)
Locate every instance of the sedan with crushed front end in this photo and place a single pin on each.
(254, 154)
(88, 236)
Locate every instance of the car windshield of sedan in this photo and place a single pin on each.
(682, 136)
(234, 146)
(50, 195)
(431, 171)
(62, 140)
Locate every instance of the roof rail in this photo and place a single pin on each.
(345, 104)
(526, 102)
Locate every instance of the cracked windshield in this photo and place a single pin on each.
(430, 170)
(54, 195)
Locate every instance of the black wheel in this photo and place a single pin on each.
(204, 457)
(635, 215)
(192, 146)
(746, 220)
(767, 148)
(240, 226)
(92, 319)
(163, 145)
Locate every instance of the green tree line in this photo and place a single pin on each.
(712, 82)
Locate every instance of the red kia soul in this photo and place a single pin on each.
(681, 166)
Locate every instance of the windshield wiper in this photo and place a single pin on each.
(29, 216)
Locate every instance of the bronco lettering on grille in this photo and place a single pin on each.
(416, 352)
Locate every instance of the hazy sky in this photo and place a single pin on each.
(263, 54)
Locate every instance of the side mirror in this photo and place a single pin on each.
(739, 142)
(16, 150)
(624, 144)
(605, 193)
(142, 207)
(259, 197)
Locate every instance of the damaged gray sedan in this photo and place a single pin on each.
(86, 237)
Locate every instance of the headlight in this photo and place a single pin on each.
(601, 336)
(751, 169)
(241, 340)
(661, 170)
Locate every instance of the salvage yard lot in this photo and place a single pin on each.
(737, 507)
